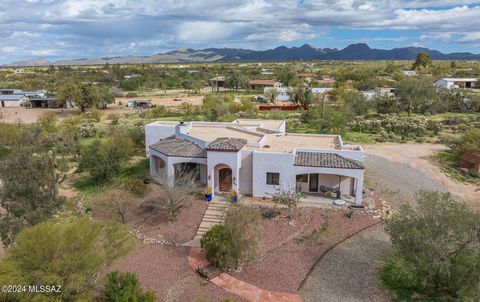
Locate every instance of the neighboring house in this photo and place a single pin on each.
(22, 71)
(409, 73)
(10, 91)
(255, 157)
(261, 84)
(281, 94)
(320, 90)
(471, 161)
(453, 83)
(44, 102)
(139, 104)
(379, 92)
(33, 94)
(326, 82)
(12, 100)
(306, 77)
(217, 82)
(266, 71)
(131, 76)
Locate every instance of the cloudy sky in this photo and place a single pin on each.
(66, 29)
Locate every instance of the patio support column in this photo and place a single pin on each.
(211, 179)
(358, 190)
(153, 168)
(170, 175)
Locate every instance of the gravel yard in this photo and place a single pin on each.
(399, 180)
(407, 168)
(288, 252)
(348, 273)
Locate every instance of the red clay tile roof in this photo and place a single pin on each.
(226, 144)
(326, 160)
(179, 147)
(262, 82)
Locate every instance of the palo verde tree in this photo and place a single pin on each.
(423, 60)
(436, 249)
(28, 191)
(125, 287)
(235, 80)
(416, 95)
(104, 160)
(83, 96)
(68, 252)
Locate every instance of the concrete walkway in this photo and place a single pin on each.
(215, 214)
(245, 290)
(348, 273)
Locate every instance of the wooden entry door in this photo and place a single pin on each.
(313, 185)
(225, 179)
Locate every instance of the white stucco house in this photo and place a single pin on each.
(13, 100)
(453, 83)
(255, 157)
(409, 73)
(281, 93)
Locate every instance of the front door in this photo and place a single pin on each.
(313, 185)
(225, 179)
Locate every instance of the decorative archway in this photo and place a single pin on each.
(223, 178)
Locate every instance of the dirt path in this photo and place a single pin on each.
(420, 158)
(348, 273)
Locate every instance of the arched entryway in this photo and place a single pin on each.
(223, 178)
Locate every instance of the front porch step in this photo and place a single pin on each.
(214, 215)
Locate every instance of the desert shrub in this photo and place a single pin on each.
(232, 244)
(119, 205)
(325, 120)
(104, 159)
(171, 202)
(93, 114)
(131, 94)
(70, 252)
(405, 126)
(270, 213)
(158, 111)
(450, 140)
(469, 142)
(124, 287)
(436, 248)
(137, 187)
(289, 198)
(87, 130)
(114, 118)
(315, 237)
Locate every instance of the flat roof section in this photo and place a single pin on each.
(269, 124)
(288, 142)
(211, 133)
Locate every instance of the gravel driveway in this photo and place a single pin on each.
(348, 273)
(398, 180)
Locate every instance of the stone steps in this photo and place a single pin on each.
(215, 214)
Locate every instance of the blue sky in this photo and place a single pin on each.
(67, 29)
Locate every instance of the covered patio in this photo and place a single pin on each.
(172, 160)
(324, 177)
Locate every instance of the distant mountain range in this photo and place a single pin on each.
(360, 51)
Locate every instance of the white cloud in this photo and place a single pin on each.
(43, 52)
(9, 49)
(472, 37)
(85, 28)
